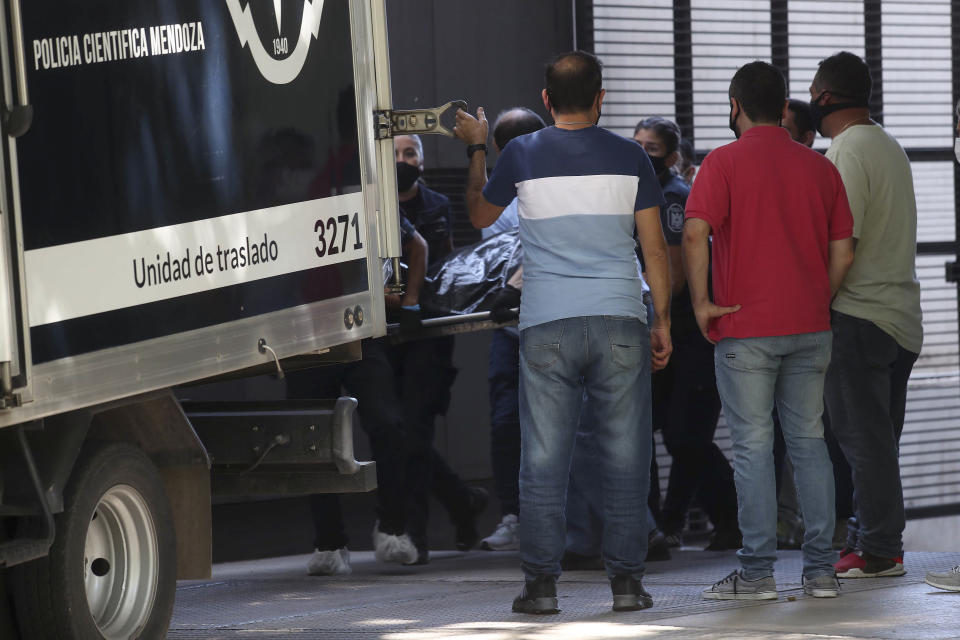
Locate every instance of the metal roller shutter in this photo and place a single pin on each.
(675, 58)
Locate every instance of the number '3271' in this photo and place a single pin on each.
(331, 229)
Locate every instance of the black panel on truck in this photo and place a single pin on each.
(190, 163)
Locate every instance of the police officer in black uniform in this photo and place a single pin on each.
(425, 371)
(686, 403)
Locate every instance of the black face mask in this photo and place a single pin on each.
(659, 164)
(407, 176)
(819, 112)
(733, 123)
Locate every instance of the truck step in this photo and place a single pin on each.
(279, 447)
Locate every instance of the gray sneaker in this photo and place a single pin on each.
(823, 586)
(736, 587)
(949, 580)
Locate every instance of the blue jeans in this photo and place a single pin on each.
(754, 375)
(585, 493)
(606, 359)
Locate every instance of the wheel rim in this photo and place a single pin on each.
(121, 564)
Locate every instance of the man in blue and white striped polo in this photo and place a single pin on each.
(582, 192)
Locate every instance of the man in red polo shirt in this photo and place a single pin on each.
(781, 229)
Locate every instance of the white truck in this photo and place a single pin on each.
(191, 190)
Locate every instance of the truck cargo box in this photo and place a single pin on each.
(195, 179)
(191, 190)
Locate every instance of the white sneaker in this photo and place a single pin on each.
(390, 548)
(949, 580)
(330, 563)
(506, 537)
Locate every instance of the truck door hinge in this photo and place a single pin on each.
(8, 397)
(12, 401)
(388, 123)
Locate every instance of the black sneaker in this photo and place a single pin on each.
(538, 597)
(465, 523)
(629, 594)
(725, 539)
(423, 557)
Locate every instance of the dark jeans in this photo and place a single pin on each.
(689, 407)
(328, 529)
(653, 496)
(842, 475)
(408, 467)
(371, 382)
(424, 372)
(866, 394)
(504, 384)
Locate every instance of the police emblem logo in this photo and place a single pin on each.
(675, 217)
(279, 65)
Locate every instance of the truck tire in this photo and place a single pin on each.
(111, 573)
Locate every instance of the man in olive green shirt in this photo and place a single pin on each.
(876, 317)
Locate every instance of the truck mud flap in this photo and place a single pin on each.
(281, 447)
(25, 549)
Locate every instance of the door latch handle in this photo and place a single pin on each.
(396, 122)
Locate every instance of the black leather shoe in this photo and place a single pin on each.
(629, 594)
(538, 597)
(725, 540)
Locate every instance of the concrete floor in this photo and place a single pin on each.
(460, 596)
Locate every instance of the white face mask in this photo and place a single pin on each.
(956, 148)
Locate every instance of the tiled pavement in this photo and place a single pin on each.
(468, 595)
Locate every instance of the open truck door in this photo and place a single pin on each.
(191, 190)
(189, 165)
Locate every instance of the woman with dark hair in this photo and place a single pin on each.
(686, 405)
